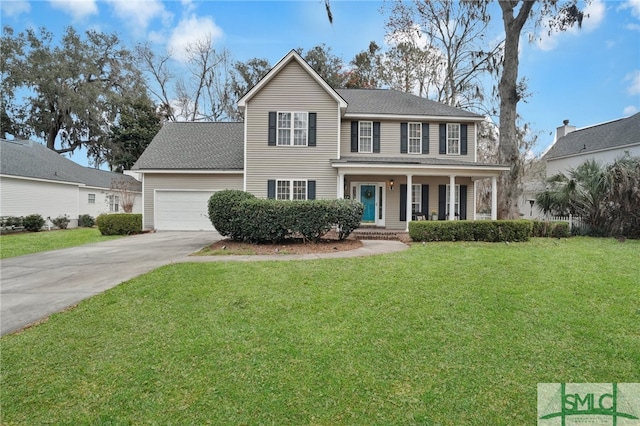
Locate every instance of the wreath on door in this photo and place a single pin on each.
(368, 193)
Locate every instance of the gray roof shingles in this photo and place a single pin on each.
(30, 159)
(195, 146)
(625, 131)
(393, 102)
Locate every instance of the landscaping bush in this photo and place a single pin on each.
(550, 229)
(10, 222)
(246, 218)
(86, 221)
(348, 214)
(223, 209)
(119, 224)
(61, 222)
(462, 230)
(33, 223)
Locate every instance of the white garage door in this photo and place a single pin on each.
(182, 211)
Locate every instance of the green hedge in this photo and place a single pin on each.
(551, 229)
(33, 222)
(119, 224)
(463, 230)
(242, 217)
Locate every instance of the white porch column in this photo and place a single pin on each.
(409, 200)
(452, 197)
(340, 186)
(494, 198)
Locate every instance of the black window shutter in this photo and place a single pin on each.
(463, 202)
(376, 136)
(442, 202)
(354, 136)
(463, 139)
(403, 202)
(425, 138)
(311, 190)
(311, 141)
(425, 200)
(271, 188)
(443, 139)
(272, 128)
(403, 138)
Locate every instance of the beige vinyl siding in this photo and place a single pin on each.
(203, 182)
(390, 141)
(291, 90)
(23, 197)
(392, 202)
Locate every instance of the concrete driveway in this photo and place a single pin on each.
(38, 285)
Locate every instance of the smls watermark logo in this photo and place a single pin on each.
(569, 404)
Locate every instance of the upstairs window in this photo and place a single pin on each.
(292, 128)
(415, 138)
(453, 138)
(365, 141)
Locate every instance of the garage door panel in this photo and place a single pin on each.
(182, 210)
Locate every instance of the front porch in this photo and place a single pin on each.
(389, 189)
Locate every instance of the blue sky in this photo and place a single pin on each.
(588, 76)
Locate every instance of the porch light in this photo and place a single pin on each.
(391, 184)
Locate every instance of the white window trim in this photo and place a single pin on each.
(360, 137)
(416, 197)
(457, 204)
(292, 129)
(91, 199)
(291, 182)
(459, 138)
(419, 138)
(114, 203)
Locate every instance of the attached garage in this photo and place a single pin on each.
(182, 210)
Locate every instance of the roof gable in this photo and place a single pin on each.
(29, 159)
(291, 56)
(610, 135)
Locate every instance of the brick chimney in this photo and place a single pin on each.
(564, 130)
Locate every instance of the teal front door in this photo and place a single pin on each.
(368, 198)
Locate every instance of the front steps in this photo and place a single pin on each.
(373, 233)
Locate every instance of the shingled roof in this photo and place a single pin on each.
(195, 146)
(613, 134)
(25, 158)
(393, 102)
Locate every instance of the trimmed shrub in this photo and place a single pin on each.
(223, 209)
(462, 230)
(551, 229)
(348, 215)
(119, 224)
(86, 221)
(10, 222)
(61, 222)
(246, 218)
(560, 230)
(33, 222)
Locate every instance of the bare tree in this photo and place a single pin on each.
(126, 195)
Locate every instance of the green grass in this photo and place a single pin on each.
(12, 245)
(443, 333)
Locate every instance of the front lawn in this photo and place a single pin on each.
(12, 245)
(443, 333)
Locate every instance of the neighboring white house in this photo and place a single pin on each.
(601, 142)
(37, 180)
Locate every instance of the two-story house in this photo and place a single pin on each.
(397, 153)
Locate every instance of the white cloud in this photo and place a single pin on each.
(594, 15)
(137, 14)
(634, 78)
(14, 7)
(190, 30)
(78, 9)
(629, 110)
(634, 5)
